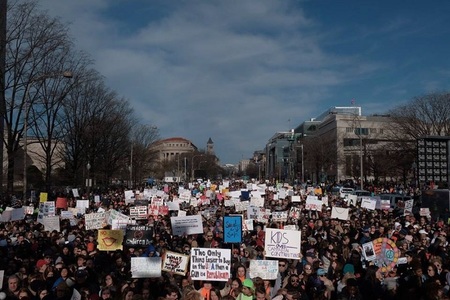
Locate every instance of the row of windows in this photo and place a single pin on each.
(363, 131)
(177, 145)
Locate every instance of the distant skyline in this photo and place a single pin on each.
(240, 71)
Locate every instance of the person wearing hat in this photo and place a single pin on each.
(248, 290)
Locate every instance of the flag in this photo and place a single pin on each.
(353, 101)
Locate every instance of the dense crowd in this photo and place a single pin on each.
(43, 265)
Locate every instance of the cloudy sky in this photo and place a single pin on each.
(240, 71)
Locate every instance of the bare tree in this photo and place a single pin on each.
(98, 125)
(32, 36)
(425, 115)
(143, 157)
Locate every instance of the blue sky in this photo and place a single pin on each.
(238, 71)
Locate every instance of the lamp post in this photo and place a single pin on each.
(131, 166)
(65, 74)
(192, 165)
(88, 180)
(303, 165)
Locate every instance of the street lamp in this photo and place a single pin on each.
(192, 165)
(303, 165)
(65, 74)
(88, 180)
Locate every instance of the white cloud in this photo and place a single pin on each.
(234, 71)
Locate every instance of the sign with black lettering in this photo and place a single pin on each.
(282, 243)
(211, 264)
(175, 262)
(232, 229)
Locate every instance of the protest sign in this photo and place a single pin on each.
(258, 202)
(368, 203)
(266, 269)
(43, 197)
(247, 225)
(232, 229)
(51, 223)
(340, 213)
(313, 203)
(138, 212)
(75, 193)
(295, 213)
(115, 215)
(282, 243)
(408, 207)
(17, 214)
(210, 264)
(145, 267)
(187, 225)
(295, 199)
(61, 203)
(109, 240)
(175, 262)
(138, 235)
(94, 220)
(279, 216)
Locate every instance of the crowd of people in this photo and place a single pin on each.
(44, 265)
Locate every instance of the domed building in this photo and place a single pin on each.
(171, 148)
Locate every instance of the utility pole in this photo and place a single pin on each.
(3, 7)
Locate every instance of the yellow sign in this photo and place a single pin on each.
(43, 197)
(110, 240)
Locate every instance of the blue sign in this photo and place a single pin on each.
(232, 229)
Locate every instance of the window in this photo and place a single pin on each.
(349, 129)
(351, 142)
(380, 131)
(373, 130)
(362, 131)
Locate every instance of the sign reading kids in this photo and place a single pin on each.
(282, 243)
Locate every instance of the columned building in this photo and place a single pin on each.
(171, 148)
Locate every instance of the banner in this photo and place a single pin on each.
(138, 235)
(109, 240)
(266, 269)
(282, 243)
(175, 262)
(145, 267)
(232, 229)
(187, 225)
(210, 264)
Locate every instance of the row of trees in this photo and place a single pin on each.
(76, 121)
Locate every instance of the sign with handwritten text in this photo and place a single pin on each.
(266, 269)
(210, 264)
(175, 262)
(313, 203)
(282, 243)
(232, 229)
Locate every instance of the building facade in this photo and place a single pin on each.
(336, 145)
(172, 148)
